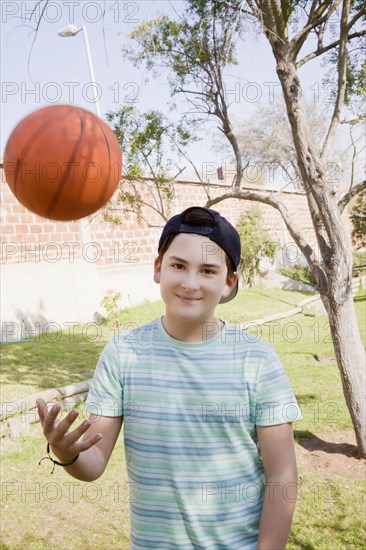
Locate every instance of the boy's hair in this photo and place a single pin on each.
(208, 223)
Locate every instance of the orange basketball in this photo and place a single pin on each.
(62, 162)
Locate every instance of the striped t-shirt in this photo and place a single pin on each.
(190, 410)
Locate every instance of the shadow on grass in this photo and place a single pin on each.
(51, 362)
(303, 545)
(306, 398)
(301, 434)
(309, 354)
(312, 442)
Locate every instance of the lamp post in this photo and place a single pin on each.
(71, 30)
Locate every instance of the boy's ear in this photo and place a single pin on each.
(230, 283)
(157, 270)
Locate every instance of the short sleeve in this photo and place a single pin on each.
(105, 397)
(275, 400)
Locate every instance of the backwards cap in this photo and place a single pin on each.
(221, 233)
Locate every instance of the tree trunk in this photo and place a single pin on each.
(227, 131)
(350, 355)
(334, 280)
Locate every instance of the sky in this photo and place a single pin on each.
(54, 70)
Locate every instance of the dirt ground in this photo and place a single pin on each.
(332, 454)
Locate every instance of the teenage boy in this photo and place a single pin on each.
(207, 409)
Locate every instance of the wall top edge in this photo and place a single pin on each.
(218, 185)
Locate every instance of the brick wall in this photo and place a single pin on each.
(40, 253)
(26, 237)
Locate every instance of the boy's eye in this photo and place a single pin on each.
(206, 271)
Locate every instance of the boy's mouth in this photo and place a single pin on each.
(187, 299)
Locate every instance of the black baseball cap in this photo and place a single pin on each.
(221, 233)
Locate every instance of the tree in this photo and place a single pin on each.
(256, 244)
(196, 49)
(199, 46)
(265, 141)
(358, 216)
(145, 139)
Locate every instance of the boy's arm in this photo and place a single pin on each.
(279, 462)
(99, 433)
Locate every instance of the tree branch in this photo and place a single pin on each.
(144, 203)
(342, 81)
(312, 11)
(298, 40)
(356, 18)
(257, 13)
(356, 190)
(195, 92)
(320, 51)
(281, 27)
(295, 233)
(188, 158)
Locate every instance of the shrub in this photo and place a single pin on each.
(359, 264)
(256, 244)
(300, 273)
(358, 217)
(110, 302)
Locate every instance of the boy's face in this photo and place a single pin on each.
(193, 277)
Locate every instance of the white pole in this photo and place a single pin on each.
(72, 31)
(84, 223)
(90, 63)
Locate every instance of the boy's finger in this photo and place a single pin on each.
(73, 436)
(64, 426)
(85, 444)
(50, 418)
(42, 409)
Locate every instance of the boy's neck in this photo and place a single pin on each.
(192, 332)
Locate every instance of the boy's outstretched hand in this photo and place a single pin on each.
(65, 444)
(94, 448)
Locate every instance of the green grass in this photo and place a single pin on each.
(41, 364)
(305, 347)
(258, 302)
(55, 360)
(61, 513)
(42, 511)
(329, 514)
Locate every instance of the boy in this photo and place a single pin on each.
(207, 410)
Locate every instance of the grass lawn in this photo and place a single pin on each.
(54, 360)
(40, 511)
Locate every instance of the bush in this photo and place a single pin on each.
(256, 244)
(359, 264)
(110, 302)
(358, 217)
(300, 273)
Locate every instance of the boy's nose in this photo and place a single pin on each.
(190, 282)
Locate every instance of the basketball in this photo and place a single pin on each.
(62, 162)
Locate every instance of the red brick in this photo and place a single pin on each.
(37, 229)
(44, 238)
(20, 229)
(69, 237)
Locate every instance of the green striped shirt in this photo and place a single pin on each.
(190, 411)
